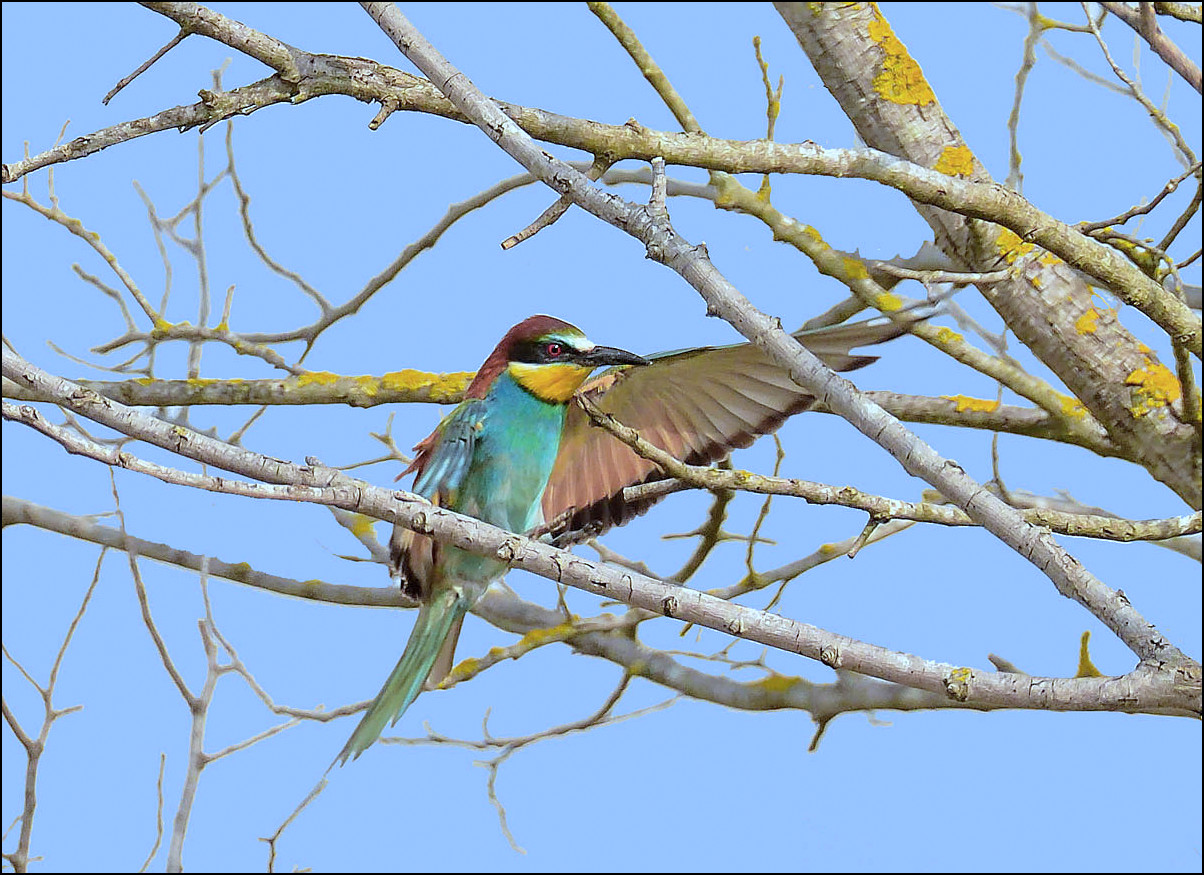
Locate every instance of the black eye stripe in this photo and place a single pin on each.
(538, 352)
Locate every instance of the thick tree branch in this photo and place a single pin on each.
(1149, 687)
(1051, 309)
(849, 268)
(412, 386)
(650, 226)
(366, 80)
(508, 612)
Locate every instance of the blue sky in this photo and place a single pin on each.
(695, 786)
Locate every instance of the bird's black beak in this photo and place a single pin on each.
(609, 355)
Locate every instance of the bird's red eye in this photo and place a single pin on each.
(553, 349)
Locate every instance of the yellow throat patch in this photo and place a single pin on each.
(552, 383)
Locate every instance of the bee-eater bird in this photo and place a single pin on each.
(515, 453)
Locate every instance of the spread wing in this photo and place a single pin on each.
(697, 405)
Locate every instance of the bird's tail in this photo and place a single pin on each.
(435, 620)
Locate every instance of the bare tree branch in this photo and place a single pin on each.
(650, 226)
(1147, 688)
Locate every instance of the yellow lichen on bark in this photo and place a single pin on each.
(901, 80)
(439, 386)
(317, 378)
(361, 525)
(965, 402)
(855, 268)
(1010, 245)
(1156, 387)
(1088, 323)
(1085, 324)
(1073, 407)
(889, 302)
(1086, 667)
(778, 683)
(955, 161)
(947, 335)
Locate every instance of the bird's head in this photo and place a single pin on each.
(549, 358)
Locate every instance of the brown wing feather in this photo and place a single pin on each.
(697, 405)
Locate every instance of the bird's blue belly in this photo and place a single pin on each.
(512, 459)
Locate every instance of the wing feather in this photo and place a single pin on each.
(697, 405)
(442, 461)
(445, 456)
